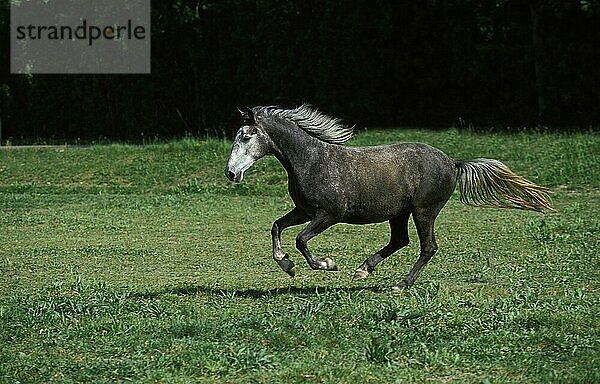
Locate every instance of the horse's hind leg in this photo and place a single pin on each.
(294, 217)
(398, 239)
(321, 222)
(424, 219)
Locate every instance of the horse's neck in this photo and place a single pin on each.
(296, 150)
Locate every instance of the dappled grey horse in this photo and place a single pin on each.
(330, 183)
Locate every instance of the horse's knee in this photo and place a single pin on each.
(401, 243)
(429, 250)
(301, 241)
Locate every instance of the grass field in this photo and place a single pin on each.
(143, 264)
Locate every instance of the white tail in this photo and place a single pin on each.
(489, 183)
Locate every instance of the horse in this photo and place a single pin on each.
(331, 183)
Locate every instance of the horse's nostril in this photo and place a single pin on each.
(230, 175)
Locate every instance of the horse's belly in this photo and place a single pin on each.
(376, 207)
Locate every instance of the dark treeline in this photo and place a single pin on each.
(506, 64)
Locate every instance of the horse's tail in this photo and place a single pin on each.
(489, 183)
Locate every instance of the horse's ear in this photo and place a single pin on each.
(247, 117)
(251, 116)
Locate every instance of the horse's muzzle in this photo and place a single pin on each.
(232, 176)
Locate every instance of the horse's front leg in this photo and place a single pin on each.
(321, 222)
(294, 217)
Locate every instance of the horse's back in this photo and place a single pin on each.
(410, 163)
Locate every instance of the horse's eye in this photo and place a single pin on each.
(246, 138)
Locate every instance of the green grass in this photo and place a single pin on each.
(123, 263)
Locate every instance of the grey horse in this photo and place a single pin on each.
(331, 183)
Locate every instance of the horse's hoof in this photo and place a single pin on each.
(402, 287)
(292, 272)
(288, 266)
(360, 274)
(330, 264)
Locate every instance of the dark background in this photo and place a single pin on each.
(504, 64)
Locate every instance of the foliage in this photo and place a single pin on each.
(374, 63)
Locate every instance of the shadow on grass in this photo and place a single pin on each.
(252, 293)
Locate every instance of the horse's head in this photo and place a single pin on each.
(250, 144)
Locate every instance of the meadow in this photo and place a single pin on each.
(143, 264)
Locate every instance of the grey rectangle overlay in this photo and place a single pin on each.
(80, 36)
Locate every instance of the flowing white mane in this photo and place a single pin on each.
(317, 124)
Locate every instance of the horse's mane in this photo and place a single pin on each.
(315, 123)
